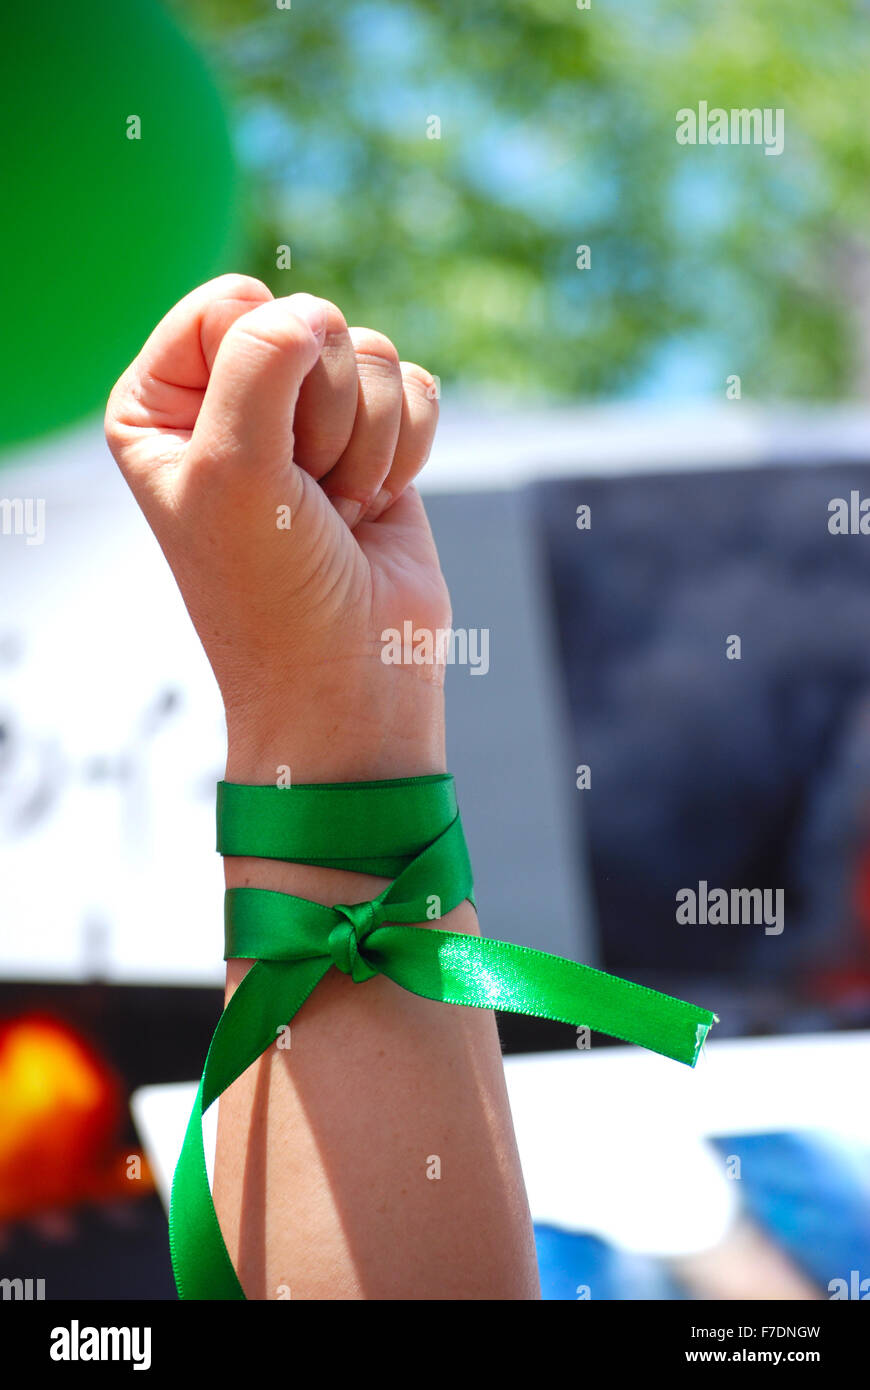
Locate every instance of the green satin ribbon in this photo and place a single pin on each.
(408, 830)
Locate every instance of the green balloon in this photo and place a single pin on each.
(102, 231)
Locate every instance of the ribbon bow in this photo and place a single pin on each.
(347, 937)
(408, 830)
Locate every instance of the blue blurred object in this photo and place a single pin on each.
(810, 1193)
(579, 1267)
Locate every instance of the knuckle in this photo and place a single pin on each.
(276, 332)
(421, 382)
(374, 348)
(237, 286)
(336, 323)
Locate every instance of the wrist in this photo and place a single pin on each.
(356, 739)
(319, 751)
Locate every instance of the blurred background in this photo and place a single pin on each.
(654, 363)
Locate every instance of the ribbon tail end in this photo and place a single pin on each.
(701, 1031)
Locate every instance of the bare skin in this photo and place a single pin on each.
(240, 410)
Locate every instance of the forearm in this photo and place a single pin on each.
(374, 1157)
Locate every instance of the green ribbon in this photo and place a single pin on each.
(408, 830)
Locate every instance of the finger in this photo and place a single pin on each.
(327, 401)
(357, 477)
(416, 432)
(164, 386)
(247, 412)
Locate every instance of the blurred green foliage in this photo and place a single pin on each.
(558, 129)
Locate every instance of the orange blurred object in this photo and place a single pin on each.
(60, 1110)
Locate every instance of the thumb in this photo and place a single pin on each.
(246, 419)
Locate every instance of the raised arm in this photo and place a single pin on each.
(273, 452)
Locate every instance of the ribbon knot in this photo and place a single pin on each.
(348, 935)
